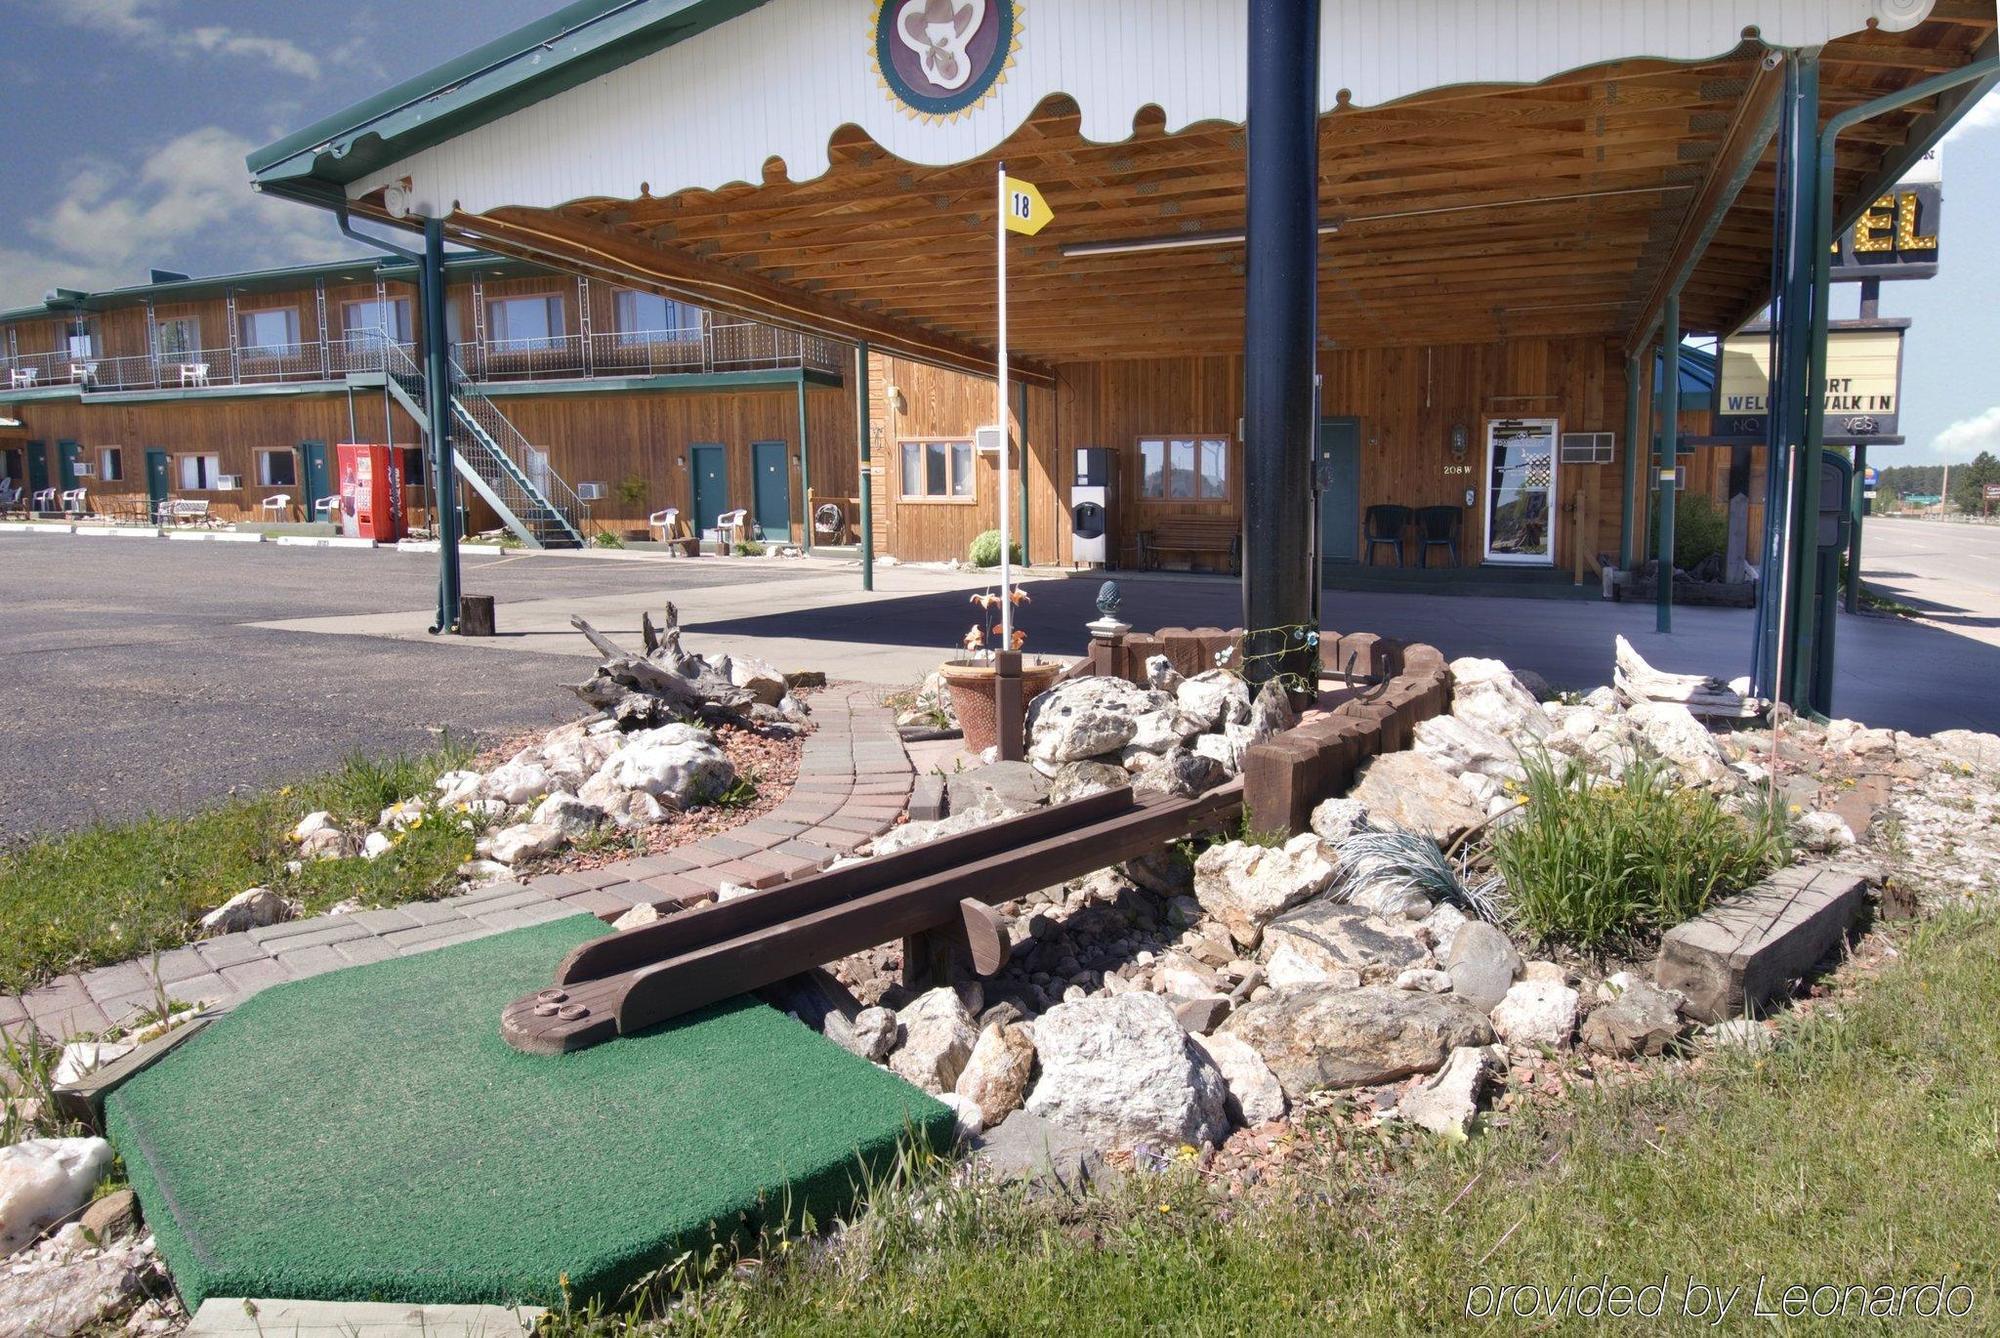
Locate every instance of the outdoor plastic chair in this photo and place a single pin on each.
(1386, 525)
(76, 502)
(276, 508)
(664, 522)
(1437, 527)
(45, 500)
(729, 530)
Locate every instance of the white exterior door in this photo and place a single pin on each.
(1521, 491)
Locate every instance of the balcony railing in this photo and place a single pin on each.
(740, 346)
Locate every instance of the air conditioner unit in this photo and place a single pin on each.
(591, 492)
(227, 482)
(986, 440)
(83, 469)
(1588, 448)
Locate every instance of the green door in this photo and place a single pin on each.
(67, 453)
(710, 469)
(38, 467)
(159, 473)
(1338, 473)
(315, 476)
(770, 462)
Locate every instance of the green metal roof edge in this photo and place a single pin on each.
(571, 46)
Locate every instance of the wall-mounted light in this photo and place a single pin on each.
(1461, 441)
(893, 396)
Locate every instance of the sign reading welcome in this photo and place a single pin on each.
(1863, 385)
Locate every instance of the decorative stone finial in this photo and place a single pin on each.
(1109, 599)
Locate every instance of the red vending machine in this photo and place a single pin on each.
(371, 492)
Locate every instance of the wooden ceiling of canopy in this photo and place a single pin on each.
(1465, 214)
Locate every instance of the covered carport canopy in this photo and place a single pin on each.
(1485, 169)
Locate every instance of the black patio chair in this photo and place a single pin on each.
(1438, 527)
(1385, 525)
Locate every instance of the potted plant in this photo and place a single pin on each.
(972, 679)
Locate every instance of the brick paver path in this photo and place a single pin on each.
(854, 781)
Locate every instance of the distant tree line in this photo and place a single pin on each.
(1967, 481)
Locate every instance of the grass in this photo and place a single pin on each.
(1604, 866)
(120, 890)
(1865, 1150)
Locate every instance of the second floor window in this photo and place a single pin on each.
(177, 338)
(368, 320)
(268, 333)
(83, 344)
(645, 317)
(520, 324)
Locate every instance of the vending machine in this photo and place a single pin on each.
(371, 492)
(1092, 496)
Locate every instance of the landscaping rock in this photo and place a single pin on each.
(1411, 791)
(572, 757)
(1482, 963)
(1333, 938)
(1670, 729)
(515, 782)
(569, 814)
(1025, 1146)
(1215, 698)
(1442, 926)
(764, 681)
(1245, 886)
(1536, 1012)
(1969, 748)
(872, 1034)
(1642, 1020)
(1202, 1014)
(1001, 787)
(322, 821)
(1165, 872)
(1161, 676)
(1461, 746)
(1391, 900)
(44, 1180)
(1255, 1094)
(678, 764)
(80, 1059)
(1087, 717)
(1272, 712)
(997, 1072)
(1225, 750)
(1822, 833)
(1119, 1069)
(968, 1124)
(1074, 780)
(938, 1035)
(1286, 966)
(524, 840)
(1316, 1036)
(1337, 819)
(324, 843)
(376, 844)
(1427, 980)
(68, 1286)
(252, 908)
(1486, 694)
(1159, 731)
(1449, 1101)
(113, 1216)
(1181, 772)
(642, 914)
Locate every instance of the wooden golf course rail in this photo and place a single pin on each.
(642, 977)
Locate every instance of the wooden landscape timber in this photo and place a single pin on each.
(645, 976)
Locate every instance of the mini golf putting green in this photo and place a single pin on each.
(367, 1135)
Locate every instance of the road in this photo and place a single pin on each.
(157, 676)
(1950, 572)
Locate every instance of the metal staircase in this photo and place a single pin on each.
(503, 468)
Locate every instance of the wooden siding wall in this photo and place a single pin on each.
(1407, 401)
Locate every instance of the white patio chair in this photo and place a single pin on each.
(83, 373)
(76, 502)
(665, 522)
(194, 373)
(45, 500)
(729, 530)
(276, 508)
(326, 509)
(21, 378)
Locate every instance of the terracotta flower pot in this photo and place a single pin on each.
(972, 691)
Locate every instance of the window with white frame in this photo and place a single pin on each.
(277, 469)
(83, 343)
(1184, 469)
(523, 324)
(198, 473)
(176, 338)
(110, 464)
(268, 334)
(937, 471)
(369, 319)
(647, 317)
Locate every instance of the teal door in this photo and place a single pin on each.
(315, 476)
(38, 466)
(67, 453)
(1338, 471)
(158, 476)
(709, 468)
(770, 463)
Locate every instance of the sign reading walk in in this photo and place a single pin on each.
(1026, 211)
(1863, 385)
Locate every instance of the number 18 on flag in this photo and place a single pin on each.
(1026, 211)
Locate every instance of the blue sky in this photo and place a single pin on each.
(123, 125)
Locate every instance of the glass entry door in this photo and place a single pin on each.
(1521, 491)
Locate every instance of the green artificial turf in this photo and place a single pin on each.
(368, 1135)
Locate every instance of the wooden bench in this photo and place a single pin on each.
(1192, 535)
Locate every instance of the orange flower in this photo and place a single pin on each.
(1020, 638)
(1020, 596)
(974, 639)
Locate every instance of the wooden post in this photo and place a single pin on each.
(1009, 710)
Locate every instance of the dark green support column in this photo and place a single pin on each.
(866, 432)
(1857, 506)
(1627, 531)
(805, 471)
(1670, 445)
(437, 400)
(1023, 458)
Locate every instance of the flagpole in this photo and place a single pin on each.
(1006, 564)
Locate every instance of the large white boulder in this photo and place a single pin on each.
(1316, 1036)
(1670, 729)
(251, 908)
(676, 764)
(1536, 1012)
(1414, 792)
(1088, 717)
(938, 1036)
(569, 814)
(1247, 886)
(1119, 1069)
(572, 757)
(516, 782)
(1255, 1094)
(763, 680)
(44, 1180)
(1215, 698)
(524, 840)
(1448, 1102)
(1486, 694)
(1461, 746)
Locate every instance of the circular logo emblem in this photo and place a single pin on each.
(942, 57)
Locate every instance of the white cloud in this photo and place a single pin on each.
(142, 21)
(1985, 115)
(112, 221)
(1969, 436)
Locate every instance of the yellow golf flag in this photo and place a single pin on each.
(1026, 210)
